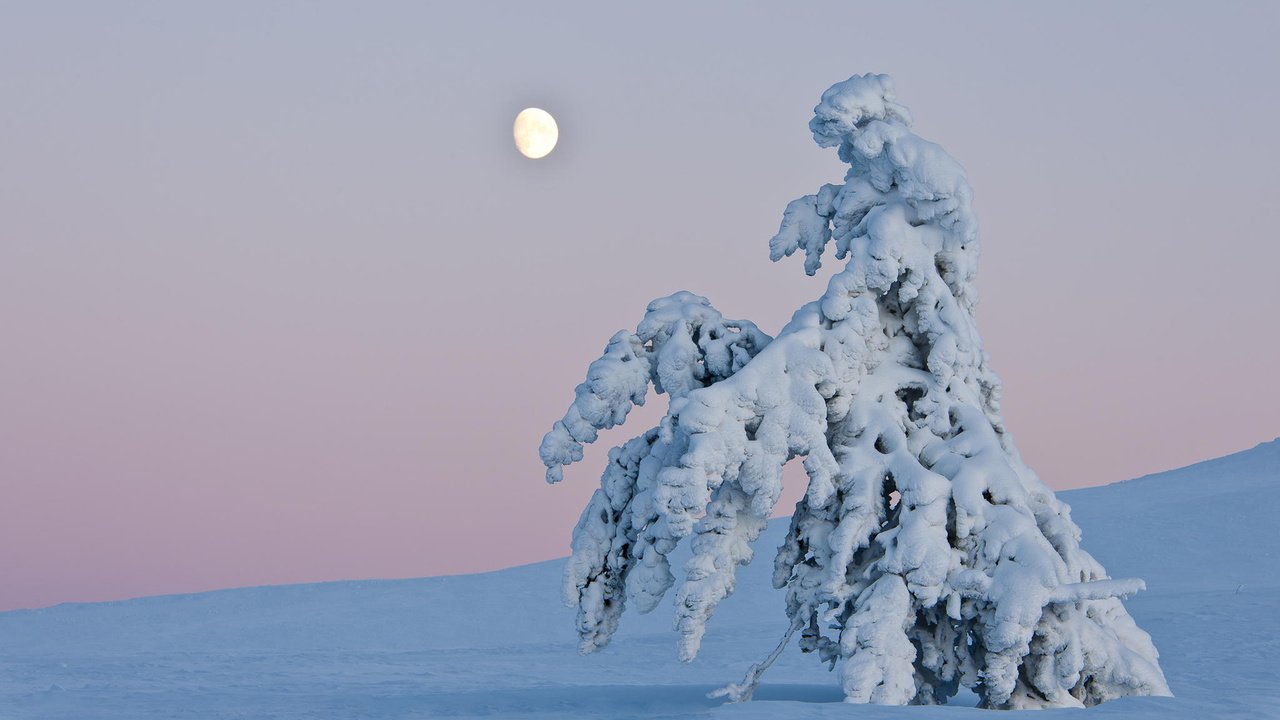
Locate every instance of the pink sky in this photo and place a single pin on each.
(282, 303)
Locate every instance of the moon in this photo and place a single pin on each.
(535, 132)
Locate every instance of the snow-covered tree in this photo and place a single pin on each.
(924, 555)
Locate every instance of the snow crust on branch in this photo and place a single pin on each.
(682, 343)
(925, 555)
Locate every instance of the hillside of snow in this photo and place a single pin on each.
(501, 644)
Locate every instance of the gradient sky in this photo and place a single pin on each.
(281, 302)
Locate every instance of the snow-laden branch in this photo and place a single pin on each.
(681, 344)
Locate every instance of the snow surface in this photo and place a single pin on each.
(502, 645)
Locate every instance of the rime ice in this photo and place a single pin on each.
(925, 555)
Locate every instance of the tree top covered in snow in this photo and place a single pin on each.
(925, 555)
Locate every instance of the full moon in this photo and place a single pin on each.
(536, 133)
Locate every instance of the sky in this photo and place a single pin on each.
(281, 302)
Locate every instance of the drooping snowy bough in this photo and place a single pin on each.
(925, 555)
